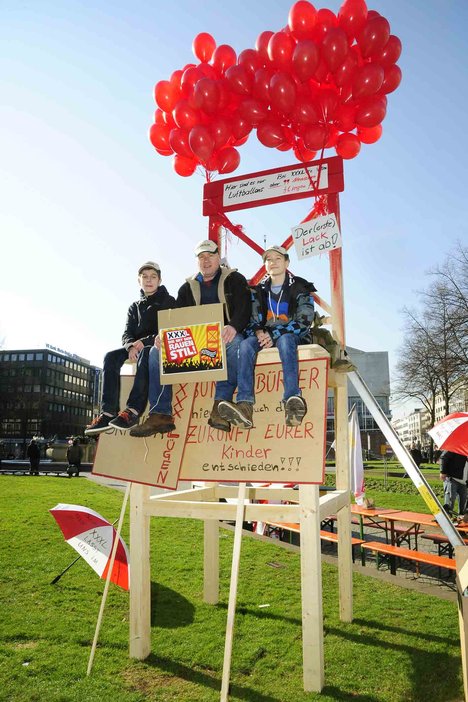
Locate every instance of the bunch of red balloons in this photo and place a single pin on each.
(321, 82)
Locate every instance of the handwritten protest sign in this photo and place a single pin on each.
(318, 236)
(275, 185)
(152, 461)
(269, 451)
(191, 344)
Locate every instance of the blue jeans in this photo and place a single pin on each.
(287, 347)
(452, 488)
(113, 362)
(160, 396)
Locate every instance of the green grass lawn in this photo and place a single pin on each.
(402, 646)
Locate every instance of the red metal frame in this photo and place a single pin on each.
(215, 209)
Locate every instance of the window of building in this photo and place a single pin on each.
(39, 356)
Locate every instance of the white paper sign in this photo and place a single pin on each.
(275, 185)
(318, 236)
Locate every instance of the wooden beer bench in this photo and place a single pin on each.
(329, 536)
(417, 557)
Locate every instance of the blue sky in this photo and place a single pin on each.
(85, 199)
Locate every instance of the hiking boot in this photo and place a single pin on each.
(154, 424)
(216, 421)
(239, 414)
(125, 420)
(295, 409)
(99, 424)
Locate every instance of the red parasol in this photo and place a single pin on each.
(93, 537)
(451, 433)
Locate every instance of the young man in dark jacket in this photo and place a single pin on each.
(282, 312)
(140, 331)
(453, 471)
(213, 283)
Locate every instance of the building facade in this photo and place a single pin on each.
(373, 367)
(45, 393)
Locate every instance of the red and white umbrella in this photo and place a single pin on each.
(451, 433)
(93, 538)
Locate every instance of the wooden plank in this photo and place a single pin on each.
(140, 574)
(311, 588)
(233, 592)
(410, 555)
(211, 562)
(461, 558)
(345, 556)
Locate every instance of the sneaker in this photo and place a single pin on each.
(216, 421)
(125, 420)
(239, 414)
(295, 409)
(154, 424)
(99, 424)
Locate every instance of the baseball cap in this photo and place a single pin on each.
(149, 264)
(279, 249)
(206, 246)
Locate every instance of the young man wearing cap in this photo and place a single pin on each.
(282, 312)
(213, 283)
(140, 331)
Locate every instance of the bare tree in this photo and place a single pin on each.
(451, 276)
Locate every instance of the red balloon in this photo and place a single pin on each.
(239, 80)
(345, 73)
(165, 95)
(368, 80)
(159, 137)
(261, 86)
(335, 47)
(253, 111)
(321, 72)
(374, 35)
(159, 116)
(190, 76)
(179, 142)
(302, 153)
(239, 142)
(249, 60)
(175, 78)
(371, 111)
(345, 118)
(328, 101)
(220, 129)
(332, 137)
(206, 95)
(169, 120)
(240, 127)
(282, 92)
(280, 50)
(315, 136)
(348, 146)
(201, 142)
(306, 111)
(392, 79)
(228, 160)
(305, 59)
(284, 147)
(302, 18)
(390, 53)
(208, 71)
(184, 166)
(352, 16)
(270, 133)
(369, 135)
(203, 46)
(261, 45)
(185, 116)
(326, 19)
(223, 57)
